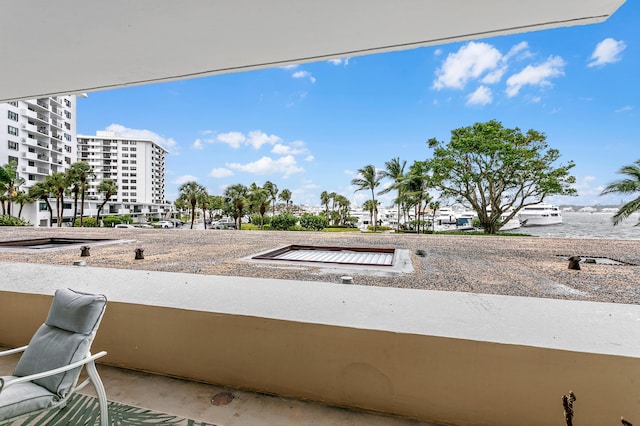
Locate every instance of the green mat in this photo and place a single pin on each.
(84, 410)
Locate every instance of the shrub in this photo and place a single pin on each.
(6, 220)
(87, 222)
(255, 219)
(110, 221)
(283, 221)
(313, 222)
(380, 228)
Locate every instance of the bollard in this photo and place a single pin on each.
(574, 263)
(139, 253)
(84, 251)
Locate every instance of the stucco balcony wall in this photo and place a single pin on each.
(451, 358)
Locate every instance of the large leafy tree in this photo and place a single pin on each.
(22, 198)
(369, 179)
(235, 197)
(190, 193)
(628, 185)
(77, 176)
(324, 200)
(109, 188)
(394, 170)
(10, 182)
(415, 187)
(496, 169)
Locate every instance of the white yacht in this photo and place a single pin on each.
(540, 214)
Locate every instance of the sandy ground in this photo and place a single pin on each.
(519, 266)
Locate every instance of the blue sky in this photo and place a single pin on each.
(308, 128)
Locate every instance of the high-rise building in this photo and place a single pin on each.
(136, 165)
(40, 135)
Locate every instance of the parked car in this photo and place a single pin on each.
(163, 224)
(223, 224)
(143, 225)
(124, 225)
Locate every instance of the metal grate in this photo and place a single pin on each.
(339, 255)
(48, 243)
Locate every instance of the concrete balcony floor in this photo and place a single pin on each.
(193, 400)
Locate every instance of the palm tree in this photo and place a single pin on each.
(371, 207)
(369, 179)
(203, 202)
(236, 197)
(22, 198)
(109, 188)
(272, 188)
(189, 193)
(343, 209)
(285, 195)
(41, 191)
(10, 182)
(416, 184)
(324, 200)
(57, 184)
(259, 200)
(394, 169)
(77, 176)
(630, 185)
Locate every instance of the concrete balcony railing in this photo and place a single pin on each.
(446, 357)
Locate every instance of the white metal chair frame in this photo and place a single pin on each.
(94, 378)
(88, 361)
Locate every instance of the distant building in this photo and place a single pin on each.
(40, 135)
(588, 209)
(136, 165)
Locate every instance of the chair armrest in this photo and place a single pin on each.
(13, 351)
(88, 359)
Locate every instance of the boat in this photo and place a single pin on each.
(540, 214)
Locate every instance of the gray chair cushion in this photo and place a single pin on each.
(24, 398)
(75, 311)
(56, 343)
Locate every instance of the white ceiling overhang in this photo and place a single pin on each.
(72, 46)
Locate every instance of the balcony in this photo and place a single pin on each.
(452, 357)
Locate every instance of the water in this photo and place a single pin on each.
(588, 225)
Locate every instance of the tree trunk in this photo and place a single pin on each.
(204, 217)
(81, 202)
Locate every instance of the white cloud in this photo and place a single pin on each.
(184, 179)
(494, 76)
(257, 138)
(538, 75)
(296, 148)
(266, 165)
(309, 158)
(197, 144)
(518, 48)
(470, 62)
(220, 172)
(233, 139)
(349, 172)
(625, 108)
(607, 52)
(289, 67)
(339, 61)
(304, 74)
(168, 143)
(482, 96)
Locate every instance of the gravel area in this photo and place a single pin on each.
(518, 266)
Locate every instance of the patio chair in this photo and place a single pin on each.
(47, 373)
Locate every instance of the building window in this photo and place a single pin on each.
(133, 155)
(133, 142)
(125, 168)
(67, 137)
(13, 116)
(12, 130)
(41, 206)
(13, 145)
(68, 149)
(133, 181)
(15, 104)
(67, 102)
(125, 148)
(32, 163)
(67, 126)
(32, 177)
(67, 114)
